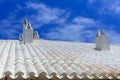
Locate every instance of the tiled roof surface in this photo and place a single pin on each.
(53, 59)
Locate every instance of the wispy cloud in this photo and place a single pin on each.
(10, 27)
(82, 29)
(91, 1)
(111, 7)
(45, 14)
(79, 29)
(113, 36)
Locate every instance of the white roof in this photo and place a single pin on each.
(55, 59)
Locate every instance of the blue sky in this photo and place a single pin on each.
(63, 20)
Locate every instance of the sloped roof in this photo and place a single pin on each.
(55, 59)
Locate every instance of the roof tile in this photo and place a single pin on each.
(54, 59)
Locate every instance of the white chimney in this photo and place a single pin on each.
(28, 34)
(102, 42)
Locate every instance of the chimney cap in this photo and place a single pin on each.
(25, 21)
(100, 33)
(29, 26)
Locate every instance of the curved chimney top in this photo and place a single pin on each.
(100, 33)
(25, 21)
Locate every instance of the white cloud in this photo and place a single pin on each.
(107, 6)
(84, 21)
(91, 1)
(10, 27)
(113, 36)
(45, 14)
(77, 30)
(111, 6)
(82, 29)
